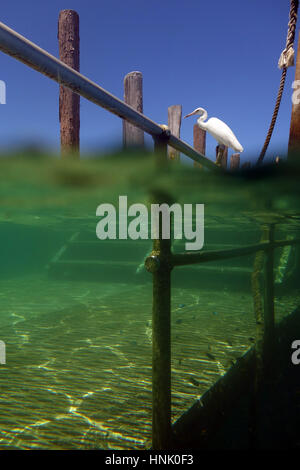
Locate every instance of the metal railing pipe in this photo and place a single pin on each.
(185, 259)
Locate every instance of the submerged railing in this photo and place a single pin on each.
(160, 263)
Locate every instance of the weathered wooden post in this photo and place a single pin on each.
(199, 136)
(221, 155)
(69, 102)
(174, 123)
(235, 161)
(294, 138)
(133, 95)
(246, 165)
(159, 264)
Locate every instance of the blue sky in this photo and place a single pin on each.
(219, 55)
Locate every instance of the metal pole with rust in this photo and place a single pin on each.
(294, 138)
(69, 102)
(159, 264)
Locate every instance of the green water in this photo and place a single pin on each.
(75, 311)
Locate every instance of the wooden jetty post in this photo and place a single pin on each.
(294, 138)
(246, 165)
(221, 156)
(235, 161)
(69, 102)
(159, 264)
(133, 96)
(161, 346)
(199, 142)
(174, 123)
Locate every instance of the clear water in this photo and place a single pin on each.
(75, 314)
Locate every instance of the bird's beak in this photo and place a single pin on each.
(191, 114)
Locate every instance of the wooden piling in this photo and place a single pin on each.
(161, 327)
(294, 137)
(199, 142)
(133, 96)
(174, 123)
(235, 161)
(221, 156)
(246, 165)
(161, 349)
(69, 102)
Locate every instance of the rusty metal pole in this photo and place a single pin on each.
(159, 264)
(69, 102)
(294, 138)
(174, 123)
(133, 96)
(199, 136)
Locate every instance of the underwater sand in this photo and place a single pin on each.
(78, 372)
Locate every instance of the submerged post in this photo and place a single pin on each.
(159, 263)
(259, 342)
(265, 324)
(69, 102)
(199, 142)
(174, 123)
(294, 138)
(133, 96)
(269, 321)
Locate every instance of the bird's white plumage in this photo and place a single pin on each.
(218, 129)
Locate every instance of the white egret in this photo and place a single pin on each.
(218, 129)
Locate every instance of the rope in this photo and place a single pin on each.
(286, 60)
(274, 117)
